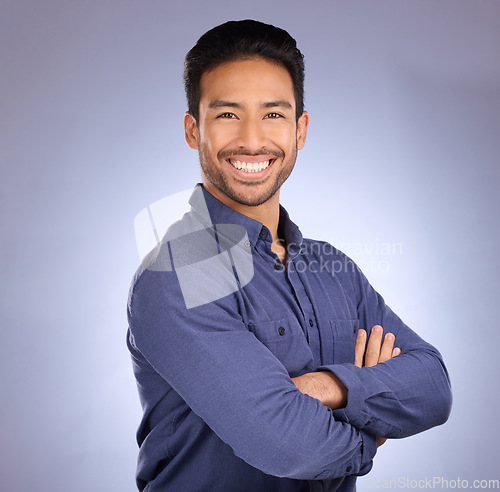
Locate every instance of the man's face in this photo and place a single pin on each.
(247, 134)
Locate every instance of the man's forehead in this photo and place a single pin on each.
(232, 84)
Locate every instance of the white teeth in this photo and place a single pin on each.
(249, 167)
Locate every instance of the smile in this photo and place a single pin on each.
(249, 167)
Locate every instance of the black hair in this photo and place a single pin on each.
(241, 40)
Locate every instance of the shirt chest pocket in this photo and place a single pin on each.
(287, 341)
(340, 348)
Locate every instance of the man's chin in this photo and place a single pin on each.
(250, 193)
(250, 199)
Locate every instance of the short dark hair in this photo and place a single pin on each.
(241, 40)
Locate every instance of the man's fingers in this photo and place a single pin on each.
(387, 348)
(359, 351)
(373, 347)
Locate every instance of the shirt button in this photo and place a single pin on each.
(281, 330)
(278, 266)
(311, 323)
(348, 469)
(247, 244)
(263, 233)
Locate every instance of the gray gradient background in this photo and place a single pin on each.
(403, 149)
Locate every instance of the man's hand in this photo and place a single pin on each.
(328, 388)
(376, 351)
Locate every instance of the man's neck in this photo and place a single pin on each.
(267, 213)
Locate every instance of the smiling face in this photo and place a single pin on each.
(247, 134)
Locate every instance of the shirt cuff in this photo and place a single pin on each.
(355, 411)
(368, 452)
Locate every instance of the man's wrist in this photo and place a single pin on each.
(324, 386)
(337, 391)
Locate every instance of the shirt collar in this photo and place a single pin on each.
(290, 232)
(212, 211)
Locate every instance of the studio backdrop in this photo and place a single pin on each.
(401, 171)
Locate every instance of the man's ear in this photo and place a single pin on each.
(191, 130)
(302, 125)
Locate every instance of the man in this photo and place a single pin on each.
(259, 355)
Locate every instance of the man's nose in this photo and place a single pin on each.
(251, 134)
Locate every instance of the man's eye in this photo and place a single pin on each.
(226, 115)
(273, 115)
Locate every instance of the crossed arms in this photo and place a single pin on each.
(329, 389)
(245, 395)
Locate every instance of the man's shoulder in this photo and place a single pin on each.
(321, 257)
(192, 267)
(321, 248)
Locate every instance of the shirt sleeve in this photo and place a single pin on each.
(238, 387)
(402, 396)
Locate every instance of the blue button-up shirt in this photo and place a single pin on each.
(217, 329)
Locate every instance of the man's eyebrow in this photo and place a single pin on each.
(219, 103)
(277, 104)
